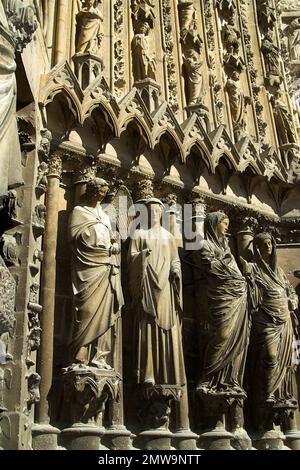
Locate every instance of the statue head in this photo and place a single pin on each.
(192, 60)
(264, 244)
(96, 189)
(215, 226)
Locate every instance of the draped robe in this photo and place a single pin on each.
(271, 345)
(95, 276)
(156, 304)
(225, 354)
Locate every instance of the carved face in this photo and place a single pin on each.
(222, 228)
(103, 190)
(266, 248)
(89, 3)
(155, 213)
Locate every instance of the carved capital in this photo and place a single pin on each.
(55, 165)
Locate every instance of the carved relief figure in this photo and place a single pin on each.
(13, 16)
(271, 56)
(95, 278)
(283, 121)
(193, 78)
(227, 312)
(237, 104)
(293, 31)
(270, 352)
(155, 287)
(143, 59)
(89, 28)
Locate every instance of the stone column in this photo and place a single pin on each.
(45, 435)
(292, 433)
(60, 37)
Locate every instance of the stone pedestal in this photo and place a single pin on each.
(88, 390)
(149, 91)
(185, 440)
(216, 439)
(154, 412)
(269, 440)
(292, 434)
(241, 439)
(117, 438)
(44, 437)
(201, 111)
(155, 439)
(292, 439)
(218, 404)
(82, 437)
(87, 68)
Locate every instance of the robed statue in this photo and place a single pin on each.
(95, 279)
(270, 363)
(155, 288)
(225, 354)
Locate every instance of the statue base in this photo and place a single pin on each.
(87, 68)
(117, 438)
(269, 440)
(293, 439)
(202, 112)
(44, 437)
(241, 440)
(149, 90)
(185, 440)
(216, 439)
(155, 439)
(82, 437)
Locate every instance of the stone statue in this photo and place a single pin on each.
(95, 278)
(237, 104)
(89, 28)
(14, 16)
(155, 287)
(226, 348)
(143, 59)
(271, 56)
(193, 78)
(42, 180)
(293, 32)
(270, 353)
(283, 121)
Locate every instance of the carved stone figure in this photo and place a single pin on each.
(231, 38)
(270, 352)
(143, 59)
(237, 104)
(9, 249)
(283, 121)
(89, 28)
(293, 32)
(13, 16)
(193, 78)
(225, 353)
(42, 181)
(271, 57)
(266, 14)
(96, 280)
(34, 380)
(155, 287)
